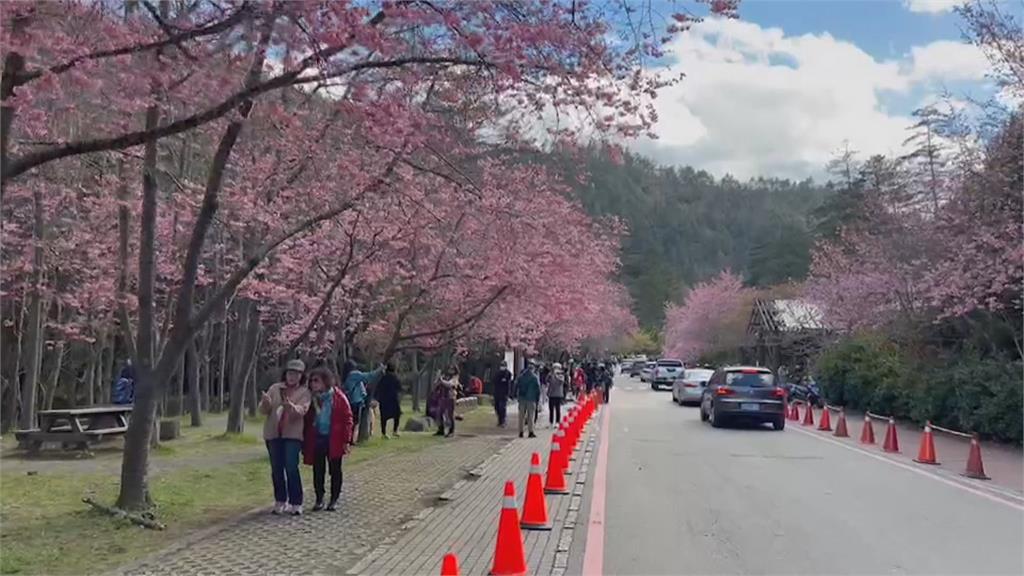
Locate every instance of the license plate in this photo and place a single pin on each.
(750, 407)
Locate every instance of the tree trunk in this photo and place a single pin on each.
(204, 369)
(416, 381)
(98, 371)
(223, 362)
(252, 398)
(179, 401)
(134, 493)
(248, 325)
(58, 361)
(10, 409)
(135, 463)
(90, 377)
(195, 393)
(35, 319)
(103, 366)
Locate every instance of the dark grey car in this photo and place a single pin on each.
(746, 393)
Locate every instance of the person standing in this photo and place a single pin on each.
(501, 384)
(328, 432)
(355, 388)
(124, 389)
(556, 392)
(579, 381)
(450, 392)
(388, 392)
(529, 395)
(604, 379)
(285, 405)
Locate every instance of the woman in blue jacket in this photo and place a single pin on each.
(355, 388)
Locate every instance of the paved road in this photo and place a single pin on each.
(683, 498)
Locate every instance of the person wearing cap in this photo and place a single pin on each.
(328, 429)
(529, 395)
(285, 405)
(556, 392)
(501, 383)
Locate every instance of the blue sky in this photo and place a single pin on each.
(777, 91)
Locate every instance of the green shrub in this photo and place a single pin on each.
(963, 391)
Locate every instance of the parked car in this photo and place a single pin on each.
(743, 393)
(665, 373)
(636, 368)
(646, 371)
(686, 390)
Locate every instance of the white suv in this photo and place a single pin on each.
(665, 373)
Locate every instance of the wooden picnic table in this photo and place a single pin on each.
(76, 427)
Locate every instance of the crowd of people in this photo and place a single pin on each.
(316, 414)
(552, 383)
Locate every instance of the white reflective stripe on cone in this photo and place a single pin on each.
(508, 502)
(535, 469)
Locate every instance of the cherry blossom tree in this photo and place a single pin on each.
(698, 325)
(272, 123)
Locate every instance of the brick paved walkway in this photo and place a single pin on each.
(468, 523)
(378, 496)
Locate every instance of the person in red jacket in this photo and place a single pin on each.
(579, 381)
(327, 434)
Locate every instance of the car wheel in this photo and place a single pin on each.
(654, 386)
(779, 424)
(716, 420)
(703, 414)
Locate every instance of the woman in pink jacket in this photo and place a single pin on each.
(285, 405)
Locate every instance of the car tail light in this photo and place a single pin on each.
(779, 393)
(690, 385)
(724, 391)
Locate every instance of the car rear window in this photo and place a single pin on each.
(750, 379)
(671, 363)
(698, 375)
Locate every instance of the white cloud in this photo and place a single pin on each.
(757, 102)
(932, 6)
(948, 60)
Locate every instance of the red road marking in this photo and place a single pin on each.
(593, 554)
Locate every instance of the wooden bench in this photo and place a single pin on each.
(75, 427)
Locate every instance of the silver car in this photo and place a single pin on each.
(686, 390)
(744, 393)
(648, 369)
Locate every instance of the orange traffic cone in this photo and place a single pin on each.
(926, 453)
(841, 425)
(975, 468)
(564, 449)
(867, 433)
(509, 552)
(794, 412)
(535, 505)
(826, 422)
(809, 416)
(450, 565)
(891, 442)
(555, 482)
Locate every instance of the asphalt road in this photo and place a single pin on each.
(684, 498)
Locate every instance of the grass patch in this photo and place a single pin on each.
(45, 528)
